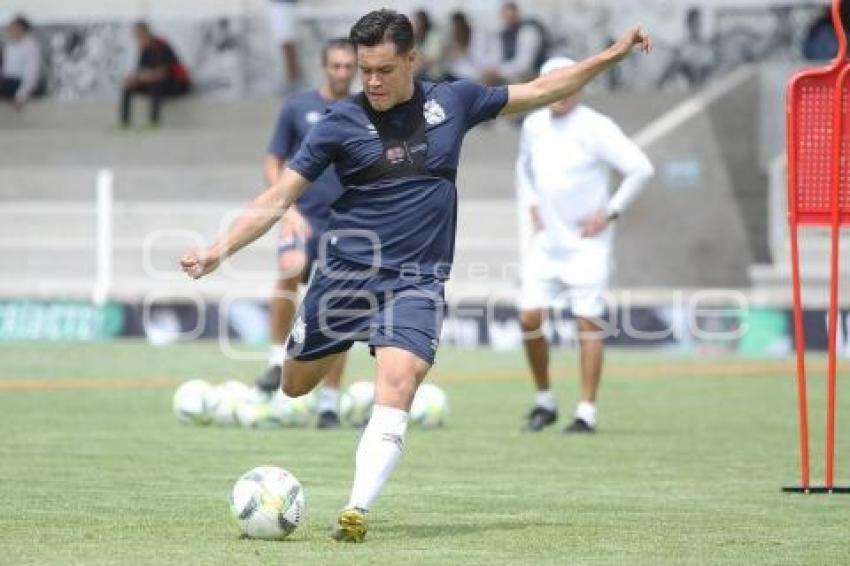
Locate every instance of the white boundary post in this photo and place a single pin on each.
(103, 242)
(777, 208)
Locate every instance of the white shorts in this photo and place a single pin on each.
(577, 278)
(282, 22)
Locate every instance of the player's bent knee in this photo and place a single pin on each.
(395, 388)
(291, 388)
(297, 379)
(531, 320)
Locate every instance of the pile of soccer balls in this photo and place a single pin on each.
(234, 403)
(268, 502)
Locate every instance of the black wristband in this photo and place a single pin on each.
(612, 216)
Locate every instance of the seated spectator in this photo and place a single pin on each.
(465, 53)
(821, 43)
(159, 74)
(21, 72)
(524, 48)
(428, 47)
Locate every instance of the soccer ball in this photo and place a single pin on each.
(251, 413)
(430, 406)
(268, 503)
(291, 411)
(189, 402)
(225, 399)
(355, 405)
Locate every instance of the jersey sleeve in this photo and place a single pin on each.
(480, 103)
(319, 149)
(621, 153)
(283, 138)
(525, 187)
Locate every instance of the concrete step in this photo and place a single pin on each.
(234, 182)
(22, 221)
(99, 115)
(212, 113)
(149, 148)
(186, 167)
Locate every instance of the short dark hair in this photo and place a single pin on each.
(22, 22)
(142, 26)
(335, 43)
(383, 26)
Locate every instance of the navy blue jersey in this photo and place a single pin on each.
(403, 224)
(297, 117)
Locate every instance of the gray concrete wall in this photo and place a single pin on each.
(691, 228)
(686, 229)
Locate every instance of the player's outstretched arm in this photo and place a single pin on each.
(562, 83)
(252, 223)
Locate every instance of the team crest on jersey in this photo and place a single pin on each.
(313, 116)
(433, 112)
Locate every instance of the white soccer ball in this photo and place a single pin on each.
(430, 406)
(251, 413)
(291, 411)
(224, 399)
(355, 404)
(268, 503)
(189, 402)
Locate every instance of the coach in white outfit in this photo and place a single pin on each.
(566, 154)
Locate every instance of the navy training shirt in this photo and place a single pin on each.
(297, 117)
(403, 224)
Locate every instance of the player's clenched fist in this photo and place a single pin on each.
(197, 264)
(633, 37)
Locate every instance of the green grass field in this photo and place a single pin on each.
(686, 468)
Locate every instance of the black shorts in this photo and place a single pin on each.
(347, 302)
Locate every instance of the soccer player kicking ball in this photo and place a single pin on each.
(391, 236)
(305, 222)
(566, 153)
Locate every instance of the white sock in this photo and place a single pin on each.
(328, 399)
(586, 412)
(546, 400)
(378, 453)
(277, 354)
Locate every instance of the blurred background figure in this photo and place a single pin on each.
(21, 74)
(524, 46)
(820, 43)
(159, 74)
(284, 27)
(694, 60)
(429, 46)
(566, 154)
(466, 52)
(302, 227)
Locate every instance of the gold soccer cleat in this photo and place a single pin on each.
(351, 526)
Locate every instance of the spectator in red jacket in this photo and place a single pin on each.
(159, 74)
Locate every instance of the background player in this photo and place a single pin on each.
(566, 153)
(397, 149)
(305, 222)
